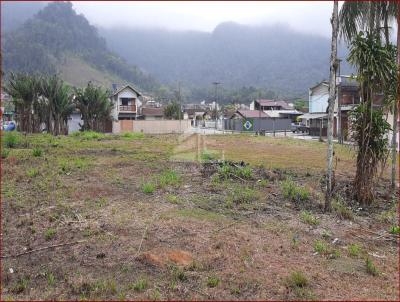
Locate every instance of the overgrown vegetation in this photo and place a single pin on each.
(294, 192)
(309, 218)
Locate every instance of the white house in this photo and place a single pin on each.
(127, 105)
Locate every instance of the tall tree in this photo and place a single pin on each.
(331, 104)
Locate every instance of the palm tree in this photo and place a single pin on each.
(94, 105)
(372, 17)
(331, 104)
(24, 90)
(59, 101)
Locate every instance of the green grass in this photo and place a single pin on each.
(132, 135)
(140, 285)
(321, 247)
(395, 230)
(32, 172)
(88, 135)
(37, 152)
(354, 250)
(293, 192)
(370, 267)
(213, 281)
(148, 188)
(227, 171)
(173, 199)
(296, 279)
(50, 234)
(199, 214)
(5, 152)
(51, 279)
(309, 218)
(242, 195)
(169, 178)
(11, 139)
(342, 211)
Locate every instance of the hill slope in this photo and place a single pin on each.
(56, 37)
(272, 57)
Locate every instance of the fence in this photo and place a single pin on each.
(257, 124)
(151, 126)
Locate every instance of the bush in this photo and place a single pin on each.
(395, 230)
(140, 285)
(309, 218)
(241, 195)
(11, 139)
(294, 192)
(32, 172)
(321, 247)
(37, 152)
(4, 152)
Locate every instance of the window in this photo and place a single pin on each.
(125, 101)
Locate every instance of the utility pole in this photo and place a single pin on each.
(180, 106)
(216, 103)
(340, 132)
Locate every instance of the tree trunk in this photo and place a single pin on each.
(331, 105)
(397, 106)
(394, 147)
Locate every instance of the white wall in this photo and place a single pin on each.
(318, 99)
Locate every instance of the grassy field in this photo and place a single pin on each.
(141, 217)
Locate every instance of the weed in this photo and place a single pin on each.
(309, 218)
(50, 234)
(51, 279)
(148, 188)
(354, 250)
(140, 285)
(263, 183)
(213, 281)
(371, 268)
(155, 295)
(169, 178)
(242, 195)
(177, 273)
(227, 171)
(21, 285)
(173, 199)
(65, 165)
(105, 287)
(296, 279)
(342, 211)
(321, 247)
(208, 156)
(37, 152)
(32, 172)
(81, 163)
(294, 192)
(395, 230)
(11, 139)
(89, 135)
(4, 152)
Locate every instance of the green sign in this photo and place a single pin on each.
(248, 124)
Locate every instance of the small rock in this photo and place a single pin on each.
(11, 270)
(335, 240)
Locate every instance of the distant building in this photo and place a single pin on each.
(153, 113)
(127, 105)
(276, 109)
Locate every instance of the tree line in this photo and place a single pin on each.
(47, 102)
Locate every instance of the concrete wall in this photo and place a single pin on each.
(156, 126)
(73, 122)
(318, 101)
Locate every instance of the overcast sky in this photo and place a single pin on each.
(311, 17)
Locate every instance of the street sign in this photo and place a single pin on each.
(248, 124)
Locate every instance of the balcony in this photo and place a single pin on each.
(128, 108)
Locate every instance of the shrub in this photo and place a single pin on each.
(371, 268)
(5, 152)
(148, 188)
(294, 192)
(37, 152)
(296, 279)
(212, 281)
(50, 234)
(11, 139)
(309, 218)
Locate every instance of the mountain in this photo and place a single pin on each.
(56, 39)
(272, 57)
(14, 14)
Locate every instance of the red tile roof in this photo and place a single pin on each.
(150, 111)
(251, 113)
(283, 104)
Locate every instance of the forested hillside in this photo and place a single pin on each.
(57, 39)
(275, 57)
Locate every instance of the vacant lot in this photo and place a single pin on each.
(95, 217)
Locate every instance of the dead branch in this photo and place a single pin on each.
(43, 248)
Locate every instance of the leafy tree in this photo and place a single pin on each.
(172, 111)
(94, 105)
